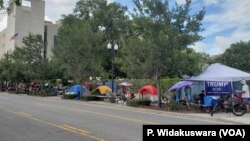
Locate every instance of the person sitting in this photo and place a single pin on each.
(128, 94)
(173, 95)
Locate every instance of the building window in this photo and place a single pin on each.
(56, 41)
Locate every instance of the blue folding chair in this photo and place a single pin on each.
(207, 106)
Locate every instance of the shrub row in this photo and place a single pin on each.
(69, 96)
(42, 93)
(137, 102)
(90, 98)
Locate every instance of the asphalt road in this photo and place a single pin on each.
(29, 118)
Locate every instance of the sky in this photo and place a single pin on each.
(225, 21)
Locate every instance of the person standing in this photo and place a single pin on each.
(201, 97)
(245, 93)
(187, 91)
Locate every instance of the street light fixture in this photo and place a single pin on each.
(113, 53)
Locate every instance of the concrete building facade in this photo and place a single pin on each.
(23, 20)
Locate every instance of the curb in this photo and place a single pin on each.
(201, 116)
(186, 115)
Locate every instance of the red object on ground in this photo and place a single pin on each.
(148, 89)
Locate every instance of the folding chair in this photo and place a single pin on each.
(207, 106)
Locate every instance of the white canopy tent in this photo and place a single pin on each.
(219, 72)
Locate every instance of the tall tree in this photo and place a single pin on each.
(162, 32)
(17, 2)
(79, 49)
(30, 55)
(26, 63)
(237, 56)
(109, 18)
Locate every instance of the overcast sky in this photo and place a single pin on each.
(225, 22)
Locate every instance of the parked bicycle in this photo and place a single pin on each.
(230, 104)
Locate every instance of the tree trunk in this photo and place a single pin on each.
(158, 85)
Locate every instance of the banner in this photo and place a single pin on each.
(218, 87)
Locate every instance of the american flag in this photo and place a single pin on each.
(14, 36)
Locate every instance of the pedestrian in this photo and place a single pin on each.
(245, 93)
(187, 92)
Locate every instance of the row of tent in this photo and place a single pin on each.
(76, 89)
(214, 72)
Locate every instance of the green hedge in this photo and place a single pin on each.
(137, 102)
(69, 96)
(90, 98)
(42, 93)
(174, 106)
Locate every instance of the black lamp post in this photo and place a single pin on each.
(113, 53)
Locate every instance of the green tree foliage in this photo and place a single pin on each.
(17, 2)
(164, 32)
(80, 49)
(236, 56)
(5, 67)
(161, 33)
(110, 18)
(1, 4)
(26, 63)
(186, 62)
(85, 34)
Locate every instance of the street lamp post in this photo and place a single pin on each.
(113, 53)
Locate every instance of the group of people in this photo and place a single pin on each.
(125, 91)
(244, 95)
(177, 94)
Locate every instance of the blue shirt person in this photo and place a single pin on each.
(187, 91)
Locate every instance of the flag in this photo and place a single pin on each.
(14, 36)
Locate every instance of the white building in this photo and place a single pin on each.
(25, 19)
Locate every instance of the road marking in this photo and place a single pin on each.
(98, 113)
(176, 115)
(64, 126)
(25, 114)
(77, 129)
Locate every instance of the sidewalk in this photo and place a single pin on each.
(219, 117)
(245, 119)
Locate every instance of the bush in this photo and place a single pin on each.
(133, 102)
(145, 102)
(137, 102)
(90, 98)
(174, 106)
(49, 94)
(69, 96)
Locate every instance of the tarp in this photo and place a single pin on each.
(76, 90)
(148, 89)
(220, 72)
(102, 90)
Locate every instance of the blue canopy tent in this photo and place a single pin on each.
(109, 84)
(76, 90)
